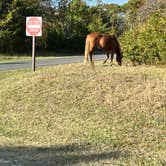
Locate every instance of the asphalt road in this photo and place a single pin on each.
(48, 62)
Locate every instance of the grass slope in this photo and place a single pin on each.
(69, 115)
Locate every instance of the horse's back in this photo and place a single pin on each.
(93, 35)
(107, 42)
(103, 41)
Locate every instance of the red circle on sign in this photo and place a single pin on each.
(33, 26)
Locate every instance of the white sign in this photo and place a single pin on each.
(34, 26)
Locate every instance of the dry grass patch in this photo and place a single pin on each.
(68, 115)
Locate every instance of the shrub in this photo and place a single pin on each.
(146, 42)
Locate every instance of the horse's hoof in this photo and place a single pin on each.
(85, 62)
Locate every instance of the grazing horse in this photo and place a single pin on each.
(108, 43)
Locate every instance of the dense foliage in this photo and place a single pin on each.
(139, 24)
(146, 42)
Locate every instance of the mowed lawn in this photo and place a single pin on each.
(70, 115)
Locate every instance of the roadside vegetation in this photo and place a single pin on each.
(145, 44)
(68, 114)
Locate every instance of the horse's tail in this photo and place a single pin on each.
(87, 47)
(88, 53)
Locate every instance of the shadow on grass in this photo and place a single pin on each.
(59, 155)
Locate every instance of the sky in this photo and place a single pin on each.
(120, 2)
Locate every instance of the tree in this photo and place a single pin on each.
(113, 16)
(130, 13)
(12, 23)
(96, 21)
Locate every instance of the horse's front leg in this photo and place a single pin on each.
(91, 61)
(112, 57)
(106, 58)
(86, 59)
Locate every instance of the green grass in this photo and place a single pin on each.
(69, 115)
(21, 58)
(14, 58)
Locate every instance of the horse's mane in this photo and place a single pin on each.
(114, 36)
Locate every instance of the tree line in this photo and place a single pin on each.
(67, 22)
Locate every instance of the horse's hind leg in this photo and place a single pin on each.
(87, 50)
(91, 61)
(86, 57)
(106, 58)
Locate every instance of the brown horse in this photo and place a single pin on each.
(108, 43)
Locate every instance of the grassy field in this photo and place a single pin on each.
(69, 115)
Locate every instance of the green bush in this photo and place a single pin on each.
(146, 43)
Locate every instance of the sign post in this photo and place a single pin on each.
(33, 28)
(33, 54)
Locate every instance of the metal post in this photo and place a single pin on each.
(33, 53)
